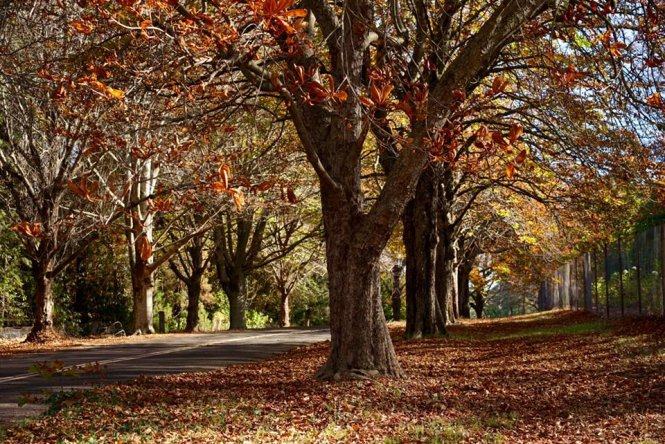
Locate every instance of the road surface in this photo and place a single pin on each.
(165, 354)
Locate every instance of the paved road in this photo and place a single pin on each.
(160, 355)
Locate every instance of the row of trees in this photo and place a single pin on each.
(506, 130)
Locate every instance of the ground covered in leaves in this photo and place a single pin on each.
(558, 377)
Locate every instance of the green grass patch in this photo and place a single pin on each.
(582, 328)
(527, 331)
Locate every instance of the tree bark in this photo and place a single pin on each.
(588, 295)
(284, 311)
(193, 298)
(463, 273)
(42, 328)
(361, 346)
(446, 284)
(420, 242)
(235, 292)
(478, 304)
(360, 342)
(143, 288)
(446, 278)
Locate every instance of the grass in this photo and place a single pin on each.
(583, 328)
(554, 377)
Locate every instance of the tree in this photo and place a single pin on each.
(289, 269)
(51, 134)
(531, 95)
(191, 265)
(327, 95)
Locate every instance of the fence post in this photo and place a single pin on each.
(638, 275)
(607, 282)
(595, 276)
(662, 267)
(162, 322)
(621, 296)
(574, 302)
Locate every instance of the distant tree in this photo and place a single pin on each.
(52, 110)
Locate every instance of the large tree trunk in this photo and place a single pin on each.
(193, 298)
(360, 342)
(143, 289)
(420, 242)
(284, 311)
(42, 328)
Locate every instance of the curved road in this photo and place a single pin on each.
(164, 354)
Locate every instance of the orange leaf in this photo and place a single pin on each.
(291, 196)
(238, 198)
(521, 157)
(296, 13)
(516, 131)
(225, 175)
(145, 249)
(498, 138)
(499, 84)
(30, 229)
(510, 170)
(218, 186)
(656, 101)
(367, 102)
(265, 185)
(82, 26)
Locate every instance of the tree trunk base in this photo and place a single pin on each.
(326, 373)
(41, 335)
(420, 335)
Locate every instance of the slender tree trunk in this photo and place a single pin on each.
(420, 241)
(235, 292)
(448, 287)
(143, 288)
(542, 296)
(453, 287)
(42, 328)
(588, 294)
(140, 228)
(284, 310)
(446, 279)
(446, 284)
(464, 271)
(478, 304)
(397, 293)
(193, 298)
